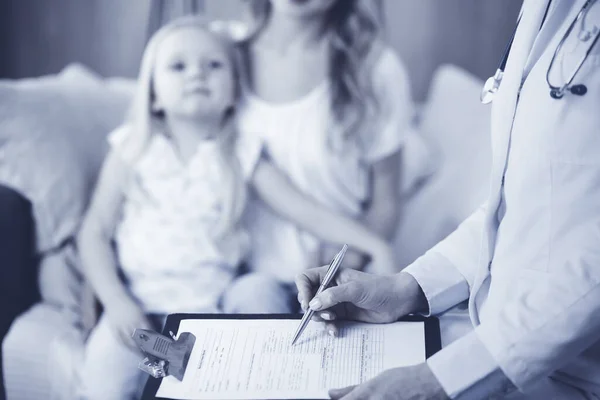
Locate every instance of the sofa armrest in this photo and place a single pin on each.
(18, 261)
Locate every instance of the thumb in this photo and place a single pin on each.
(339, 393)
(351, 292)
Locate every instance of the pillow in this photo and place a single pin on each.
(52, 143)
(417, 163)
(456, 127)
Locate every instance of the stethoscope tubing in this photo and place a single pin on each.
(493, 83)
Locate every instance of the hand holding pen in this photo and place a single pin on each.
(358, 296)
(329, 275)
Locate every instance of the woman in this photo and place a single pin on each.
(331, 103)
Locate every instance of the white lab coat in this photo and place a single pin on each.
(529, 260)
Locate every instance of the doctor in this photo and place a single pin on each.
(528, 261)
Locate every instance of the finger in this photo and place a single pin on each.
(327, 315)
(360, 392)
(341, 392)
(128, 331)
(123, 338)
(332, 329)
(128, 338)
(351, 292)
(308, 281)
(303, 303)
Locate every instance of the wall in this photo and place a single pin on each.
(45, 35)
(41, 36)
(468, 33)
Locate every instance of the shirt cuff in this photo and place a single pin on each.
(443, 286)
(467, 370)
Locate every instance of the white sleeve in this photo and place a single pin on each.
(117, 137)
(249, 150)
(447, 271)
(394, 102)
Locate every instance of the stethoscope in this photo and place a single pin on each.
(556, 92)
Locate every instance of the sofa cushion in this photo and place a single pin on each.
(52, 143)
(42, 353)
(456, 127)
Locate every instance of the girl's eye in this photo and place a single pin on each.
(215, 64)
(178, 66)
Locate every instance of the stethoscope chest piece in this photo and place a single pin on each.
(491, 87)
(578, 90)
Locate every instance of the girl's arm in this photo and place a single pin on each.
(94, 242)
(279, 194)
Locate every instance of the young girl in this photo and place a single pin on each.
(170, 196)
(332, 103)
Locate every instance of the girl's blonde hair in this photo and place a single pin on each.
(354, 28)
(142, 122)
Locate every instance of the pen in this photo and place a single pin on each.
(331, 271)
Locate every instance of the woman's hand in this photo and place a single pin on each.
(360, 296)
(125, 316)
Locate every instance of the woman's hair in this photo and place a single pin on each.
(143, 122)
(354, 28)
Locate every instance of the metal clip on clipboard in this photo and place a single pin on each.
(164, 355)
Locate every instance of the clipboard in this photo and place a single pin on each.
(173, 321)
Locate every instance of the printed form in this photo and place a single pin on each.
(254, 359)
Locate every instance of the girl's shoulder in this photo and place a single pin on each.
(123, 141)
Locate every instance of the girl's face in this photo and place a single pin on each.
(302, 8)
(193, 75)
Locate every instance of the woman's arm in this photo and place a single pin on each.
(383, 210)
(279, 194)
(381, 213)
(391, 86)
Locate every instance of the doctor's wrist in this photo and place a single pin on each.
(410, 295)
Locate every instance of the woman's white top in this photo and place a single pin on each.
(295, 136)
(165, 239)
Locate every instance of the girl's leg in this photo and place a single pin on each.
(255, 293)
(110, 369)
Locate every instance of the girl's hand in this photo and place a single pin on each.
(125, 316)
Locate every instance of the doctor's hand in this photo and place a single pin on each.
(414, 382)
(360, 296)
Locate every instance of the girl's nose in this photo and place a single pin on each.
(199, 71)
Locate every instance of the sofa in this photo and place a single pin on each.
(52, 142)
